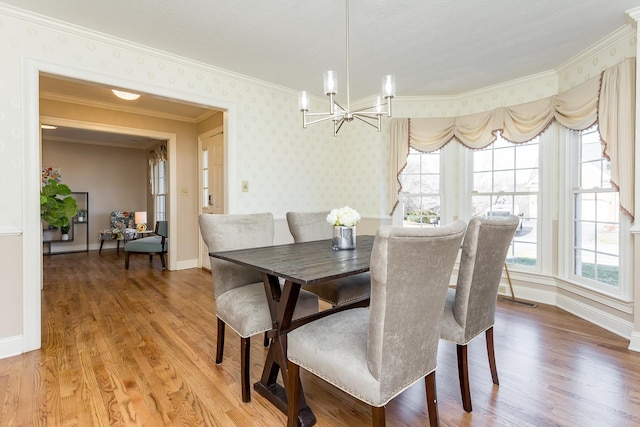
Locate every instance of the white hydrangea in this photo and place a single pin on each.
(344, 216)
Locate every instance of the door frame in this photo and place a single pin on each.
(207, 134)
(32, 274)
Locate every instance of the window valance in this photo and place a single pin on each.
(608, 99)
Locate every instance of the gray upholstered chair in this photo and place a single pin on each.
(309, 226)
(151, 246)
(375, 353)
(241, 301)
(470, 307)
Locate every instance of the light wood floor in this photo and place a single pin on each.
(137, 347)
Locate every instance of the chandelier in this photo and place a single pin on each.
(339, 114)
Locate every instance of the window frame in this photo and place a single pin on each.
(571, 173)
(541, 260)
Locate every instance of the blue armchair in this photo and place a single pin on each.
(122, 229)
(157, 244)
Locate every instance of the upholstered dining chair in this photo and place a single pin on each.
(471, 307)
(309, 226)
(375, 353)
(239, 292)
(122, 229)
(152, 245)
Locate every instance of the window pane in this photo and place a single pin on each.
(503, 181)
(480, 204)
(608, 207)
(527, 156)
(482, 182)
(607, 269)
(413, 164)
(504, 158)
(431, 164)
(527, 180)
(482, 161)
(430, 184)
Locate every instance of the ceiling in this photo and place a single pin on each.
(433, 47)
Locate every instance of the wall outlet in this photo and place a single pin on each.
(245, 186)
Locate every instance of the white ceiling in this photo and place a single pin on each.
(433, 47)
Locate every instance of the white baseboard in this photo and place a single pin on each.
(634, 343)
(597, 317)
(11, 346)
(187, 264)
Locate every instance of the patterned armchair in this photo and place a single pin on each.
(122, 229)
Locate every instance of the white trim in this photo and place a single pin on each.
(32, 249)
(594, 315)
(634, 342)
(187, 264)
(8, 230)
(11, 346)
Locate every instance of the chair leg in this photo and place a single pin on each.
(293, 397)
(162, 261)
(220, 342)
(150, 257)
(245, 346)
(377, 416)
(117, 247)
(463, 375)
(266, 340)
(100, 250)
(492, 356)
(432, 399)
(126, 260)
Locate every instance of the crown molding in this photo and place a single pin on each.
(54, 24)
(593, 50)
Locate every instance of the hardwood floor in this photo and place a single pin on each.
(137, 347)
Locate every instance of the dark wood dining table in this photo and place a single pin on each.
(298, 264)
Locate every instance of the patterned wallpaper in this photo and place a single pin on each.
(288, 168)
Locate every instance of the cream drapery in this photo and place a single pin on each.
(608, 99)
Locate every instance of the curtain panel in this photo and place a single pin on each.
(607, 99)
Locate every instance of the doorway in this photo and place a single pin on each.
(211, 179)
(32, 238)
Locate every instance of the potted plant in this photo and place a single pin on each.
(82, 215)
(56, 207)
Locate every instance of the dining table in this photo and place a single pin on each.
(297, 264)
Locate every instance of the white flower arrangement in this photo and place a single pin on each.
(344, 216)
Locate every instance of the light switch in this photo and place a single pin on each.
(245, 186)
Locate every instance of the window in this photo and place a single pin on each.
(159, 188)
(205, 178)
(596, 222)
(505, 181)
(421, 189)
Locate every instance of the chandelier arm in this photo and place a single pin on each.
(365, 119)
(322, 119)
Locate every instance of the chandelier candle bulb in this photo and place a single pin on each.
(330, 83)
(303, 101)
(389, 86)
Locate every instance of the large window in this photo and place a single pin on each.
(421, 189)
(159, 189)
(505, 181)
(596, 248)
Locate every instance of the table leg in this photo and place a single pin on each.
(281, 305)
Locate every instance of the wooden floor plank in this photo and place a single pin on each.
(137, 348)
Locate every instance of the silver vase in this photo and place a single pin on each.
(343, 238)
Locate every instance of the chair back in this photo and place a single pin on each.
(410, 273)
(309, 226)
(484, 251)
(230, 232)
(122, 219)
(162, 228)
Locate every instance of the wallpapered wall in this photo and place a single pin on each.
(287, 168)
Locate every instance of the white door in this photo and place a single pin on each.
(212, 182)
